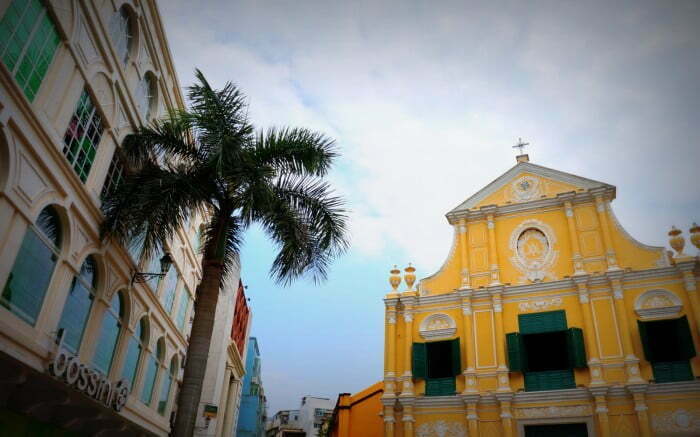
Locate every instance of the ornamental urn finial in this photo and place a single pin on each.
(395, 278)
(676, 241)
(695, 235)
(409, 277)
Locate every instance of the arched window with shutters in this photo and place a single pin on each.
(112, 322)
(154, 362)
(167, 383)
(78, 304)
(26, 286)
(121, 31)
(137, 343)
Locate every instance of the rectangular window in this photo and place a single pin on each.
(28, 42)
(164, 393)
(131, 361)
(115, 174)
(29, 279)
(668, 345)
(438, 362)
(149, 380)
(182, 310)
(83, 136)
(169, 289)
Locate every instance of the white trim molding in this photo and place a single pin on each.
(437, 326)
(657, 304)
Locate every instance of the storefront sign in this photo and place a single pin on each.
(66, 367)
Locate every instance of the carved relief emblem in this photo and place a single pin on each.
(437, 326)
(681, 421)
(554, 411)
(532, 244)
(654, 304)
(441, 428)
(525, 188)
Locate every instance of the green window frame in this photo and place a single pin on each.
(549, 380)
(115, 175)
(121, 32)
(668, 346)
(109, 334)
(76, 309)
(82, 137)
(436, 385)
(28, 43)
(133, 353)
(539, 323)
(29, 279)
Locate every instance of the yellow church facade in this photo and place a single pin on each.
(546, 319)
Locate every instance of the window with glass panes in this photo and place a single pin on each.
(154, 267)
(26, 286)
(78, 304)
(83, 136)
(154, 362)
(28, 42)
(182, 310)
(121, 33)
(169, 288)
(165, 386)
(115, 174)
(109, 335)
(145, 93)
(137, 343)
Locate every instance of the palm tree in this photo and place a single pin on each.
(210, 160)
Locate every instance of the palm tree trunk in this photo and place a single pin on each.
(198, 349)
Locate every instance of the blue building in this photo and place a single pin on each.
(252, 413)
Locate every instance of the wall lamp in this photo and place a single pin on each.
(165, 263)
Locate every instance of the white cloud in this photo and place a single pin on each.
(425, 101)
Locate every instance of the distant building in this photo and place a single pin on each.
(223, 380)
(285, 424)
(313, 412)
(252, 414)
(358, 415)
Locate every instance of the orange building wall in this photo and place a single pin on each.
(358, 415)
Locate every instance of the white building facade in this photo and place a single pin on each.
(75, 78)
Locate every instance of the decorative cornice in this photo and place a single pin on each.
(567, 284)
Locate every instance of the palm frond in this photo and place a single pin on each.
(169, 137)
(152, 203)
(295, 150)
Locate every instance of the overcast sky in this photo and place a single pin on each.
(425, 100)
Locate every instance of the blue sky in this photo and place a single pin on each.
(425, 100)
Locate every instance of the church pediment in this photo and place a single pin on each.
(527, 182)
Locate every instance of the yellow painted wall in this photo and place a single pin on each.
(603, 298)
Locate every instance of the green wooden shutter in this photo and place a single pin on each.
(672, 371)
(646, 343)
(538, 323)
(516, 352)
(577, 349)
(685, 338)
(440, 386)
(456, 359)
(420, 361)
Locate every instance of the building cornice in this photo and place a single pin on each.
(566, 285)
